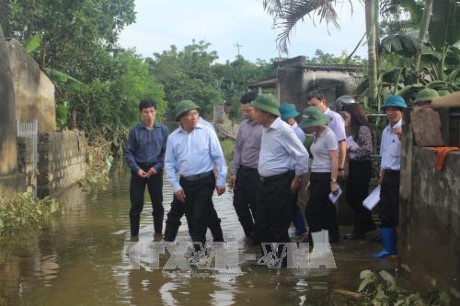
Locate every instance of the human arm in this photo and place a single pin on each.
(130, 151)
(171, 165)
(217, 156)
(236, 159)
(342, 153)
(334, 170)
(365, 143)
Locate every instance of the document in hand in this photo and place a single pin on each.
(372, 199)
(351, 143)
(335, 196)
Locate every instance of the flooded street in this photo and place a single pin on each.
(79, 259)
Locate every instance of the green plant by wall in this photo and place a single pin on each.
(18, 210)
(380, 289)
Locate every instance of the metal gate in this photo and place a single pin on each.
(30, 129)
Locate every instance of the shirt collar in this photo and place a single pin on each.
(276, 124)
(155, 125)
(198, 126)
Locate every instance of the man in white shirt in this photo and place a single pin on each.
(337, 124)
(390, 151)
(283, 160)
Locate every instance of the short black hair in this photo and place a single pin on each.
(315, 94)
(147, 103)
(248, 97)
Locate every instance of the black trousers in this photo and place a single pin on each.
(245, 198)
(199, 208)
(359, 176)
(274, 208)
(389, 199)
(177, 211)
(320, 212)
(136, 194)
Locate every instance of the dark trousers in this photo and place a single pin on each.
(198, 208)
(320, 212)
(359, 176)
(245, 198)
(274, 208)
(389, 199)
(173, 222)
(136, 194)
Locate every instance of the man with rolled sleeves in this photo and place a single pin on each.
(193, 151)
(283, 160)
(288, 115)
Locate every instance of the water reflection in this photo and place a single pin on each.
(80, 259)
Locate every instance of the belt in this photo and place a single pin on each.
(197, 177)
(268, 179)
(245, 168)
(392, 172)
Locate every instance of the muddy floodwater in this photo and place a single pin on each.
(80, 258)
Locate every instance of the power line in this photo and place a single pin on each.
(238, 46)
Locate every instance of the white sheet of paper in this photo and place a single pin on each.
(334, 197)
(351, 143)
(372, 199)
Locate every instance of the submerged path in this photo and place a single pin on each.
(79, 259)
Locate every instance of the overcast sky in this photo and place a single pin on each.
(226, 23)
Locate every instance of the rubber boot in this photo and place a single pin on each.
(389, 242)
(320, 244)
(299, 223)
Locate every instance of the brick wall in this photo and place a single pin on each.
(62, 160)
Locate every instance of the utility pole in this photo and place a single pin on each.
(238, 46)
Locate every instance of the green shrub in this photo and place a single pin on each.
(19, 210)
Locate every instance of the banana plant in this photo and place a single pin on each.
(57, 77)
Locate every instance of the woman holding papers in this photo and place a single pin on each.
(320, 212)
(359, 149)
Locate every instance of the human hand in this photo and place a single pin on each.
(151, 171)
(233, 181)
(397, 131)
(295, 184)
(180, 195)
(220, 190)
(334, 187)
(352, 150)
(142, 173)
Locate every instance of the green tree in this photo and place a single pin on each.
(187, 74)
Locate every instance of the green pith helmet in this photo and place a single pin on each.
(267, 103)
(313, 116)
(185, 106)
(287, 111)
(425, 95)
(394, 101)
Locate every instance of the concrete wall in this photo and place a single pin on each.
(62, 160)
(8, 149)
(34, 92)
(429, 229)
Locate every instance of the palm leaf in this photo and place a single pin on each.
(287, 13)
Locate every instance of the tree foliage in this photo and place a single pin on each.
(194, 74)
